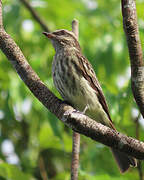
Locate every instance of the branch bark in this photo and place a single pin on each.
(76, 136)
(104, 134)
(75, 120)
(35, 15)
(135, 51)
(42, 168)
(139, 164)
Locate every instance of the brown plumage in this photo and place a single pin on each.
(76, 81)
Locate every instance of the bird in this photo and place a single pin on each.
(76, 81)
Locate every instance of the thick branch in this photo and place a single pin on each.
(104, 134)
(135, 51)
(78, 122)
(35, 15)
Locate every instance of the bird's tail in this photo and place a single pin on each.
(123, 160)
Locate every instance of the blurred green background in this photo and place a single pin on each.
(33, 142)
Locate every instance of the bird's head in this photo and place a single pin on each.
(63, 39)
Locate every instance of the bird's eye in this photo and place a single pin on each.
(62, 32)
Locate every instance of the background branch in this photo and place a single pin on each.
(139, 165)
(76, 136)
(42, 168)
(35, 15)
(135, 51)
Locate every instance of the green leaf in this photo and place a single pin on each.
(12, 172)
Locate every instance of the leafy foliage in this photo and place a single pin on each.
(40, 142)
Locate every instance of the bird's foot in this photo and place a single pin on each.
(85, 109)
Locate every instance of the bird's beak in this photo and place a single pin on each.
(49, 35)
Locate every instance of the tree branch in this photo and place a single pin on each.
(75, 120)
(135, 51)
(107, 136)
(76, 136)
(35, 15)
(139, 163)
(42, 168)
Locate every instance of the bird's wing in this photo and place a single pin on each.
(90, 76)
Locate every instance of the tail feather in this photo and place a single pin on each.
(123, 160)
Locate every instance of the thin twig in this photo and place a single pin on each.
(42, 168)
(137, 126)
(76, 136)
(67, 114)
(75, 28)
(140, 170)
(35, 15)
(75, 156)
(139, 165)
(135, 51)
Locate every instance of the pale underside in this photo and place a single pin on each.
(81, 94)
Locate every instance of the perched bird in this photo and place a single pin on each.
(77, 83)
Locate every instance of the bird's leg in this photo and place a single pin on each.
(85, 109)
(83, 112)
